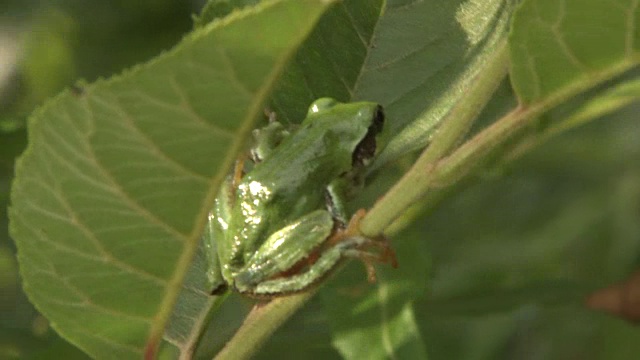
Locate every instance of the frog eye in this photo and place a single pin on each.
(321, 105)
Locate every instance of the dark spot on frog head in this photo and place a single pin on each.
(378, 120)
(366, 148)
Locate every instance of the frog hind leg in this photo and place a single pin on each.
(352, 247)
(284, 250)
(334, 247)
(322, 267)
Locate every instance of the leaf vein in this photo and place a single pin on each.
(233, 75)
(108, 257)
(149, 143)
(87, 301)
(353, 24)
(188, 108)
(555, 28)
(134, 204)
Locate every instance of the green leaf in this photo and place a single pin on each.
(190, 315)
(112, 193)
(607, 101)
(426, 54)
(569, 45)
(330, 63)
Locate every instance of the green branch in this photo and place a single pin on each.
(418, 180)
(435, 171)
(261, 322)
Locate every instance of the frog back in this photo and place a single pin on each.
(293, 180)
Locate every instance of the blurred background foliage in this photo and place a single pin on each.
(512, 255)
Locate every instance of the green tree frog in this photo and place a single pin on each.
(278, 226)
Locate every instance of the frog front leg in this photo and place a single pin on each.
(266, 139)
(213, 236)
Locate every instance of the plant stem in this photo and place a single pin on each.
(261, 322)
(434, 169)
(617, 97)
(417, 181)
(473, 153)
